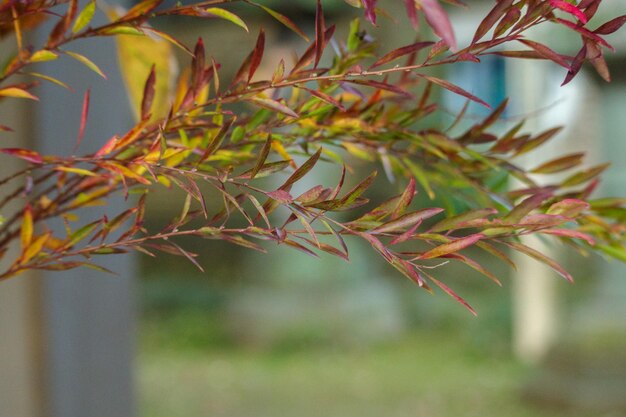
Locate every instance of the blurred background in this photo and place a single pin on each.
(282, 334)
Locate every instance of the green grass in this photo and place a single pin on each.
(430, 374)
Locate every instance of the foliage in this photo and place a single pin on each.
(225, 142)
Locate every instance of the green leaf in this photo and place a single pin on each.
(226, 15)
(43, 55)
(84, 17)
(81, 233)
(617, 252)
(87, 62)
(283, 19)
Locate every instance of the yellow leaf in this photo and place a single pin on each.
(17, 93)
(86, 62)
(26, 233)
(136, 56)
(51, 79)
(226, 15)
(84, 17)
(34, 248)
(43, 55)
(78, 171)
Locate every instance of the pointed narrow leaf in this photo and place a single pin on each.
(87, 62)
(227, 15)
(265, 151)
(438, 20)
(451, 247)
(451, 293)
(535, 254)
(572, 234)
(84, 17)
(257, 54)
(452, 87)
(148, 95)
(411, 12)
(283, 19)
(492, 17)
(474, 265)
(407, 220)
(451, 222)
(320, 28)
(400, 52)
(324, 97)
(17, 92)
(569, 8)
(546, 52)
(559, 164)
(274, 105)
(26, 154)
(611, 26)
(302, 170)
(26, 231)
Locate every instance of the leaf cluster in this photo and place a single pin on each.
(243, 171)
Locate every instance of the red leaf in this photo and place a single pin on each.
(148, 95)
(438, 20)
(411, 12)
(585, 32)
(257, 54)
(611, 26)
(454, 88)
(281, 196)
(451, 247)
(574, 234)
(400, 52)
(569, 8)
(370, 10)
(320, 29)
(546, 52)
(492, 17)
(576, 65)
(451, 293)
(382, 86)
(407, 220)
(26, 154)
(535, 254)
(83, 120)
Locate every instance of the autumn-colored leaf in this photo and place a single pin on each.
(569, 8)
(257, 54)
(492, 17)
(17, 92)
(611, 26)
(87, 62)
(535, 254)
(454, 88)
(407, 220)
(84, 17)
(451, 247)
(227, 15)
(27, 229)
(302, 170)
(282, 19)
(400, 52)
(274, 105)
(26, 154)
(438, 19)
